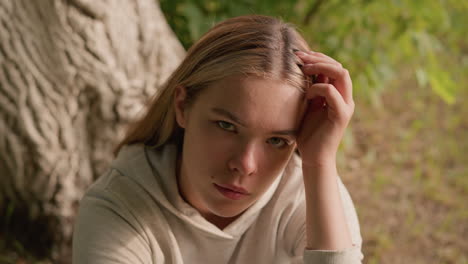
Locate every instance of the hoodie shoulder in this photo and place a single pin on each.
(128, 176)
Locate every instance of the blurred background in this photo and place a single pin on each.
(404, 157)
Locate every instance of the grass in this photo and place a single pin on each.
(406, 170)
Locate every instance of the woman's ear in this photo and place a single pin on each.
(180, 98)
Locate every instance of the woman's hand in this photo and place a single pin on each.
(329, 110)
(330, 107)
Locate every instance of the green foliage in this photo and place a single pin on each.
(372, 39)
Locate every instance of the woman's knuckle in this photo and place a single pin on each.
(329, 89)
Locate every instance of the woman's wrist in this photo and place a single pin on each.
(327, 164)
(325, 221)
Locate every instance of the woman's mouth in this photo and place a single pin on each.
(233, 193)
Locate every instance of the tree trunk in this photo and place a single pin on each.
(72, 74)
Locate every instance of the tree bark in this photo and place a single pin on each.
(73, 73)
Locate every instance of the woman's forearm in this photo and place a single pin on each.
(325, 220)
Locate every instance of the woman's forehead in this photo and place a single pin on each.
(266, 102)
(254, 88)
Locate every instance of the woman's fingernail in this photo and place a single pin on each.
(300, 53)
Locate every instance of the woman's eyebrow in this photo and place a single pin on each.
(292, 133)
(226, 113)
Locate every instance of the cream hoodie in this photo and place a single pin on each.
(133, 214)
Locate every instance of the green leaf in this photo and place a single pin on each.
(443, 85)
(194, 18)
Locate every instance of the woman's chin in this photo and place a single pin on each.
(226, 211)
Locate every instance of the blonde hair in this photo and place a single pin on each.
(252, 45)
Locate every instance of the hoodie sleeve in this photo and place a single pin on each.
(106, 232)
(351, 255)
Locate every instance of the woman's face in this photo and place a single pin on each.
(239, 136)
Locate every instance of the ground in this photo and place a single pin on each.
(405, 165)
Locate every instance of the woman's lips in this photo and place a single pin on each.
(230, 193)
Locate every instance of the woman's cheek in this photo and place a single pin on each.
(279, 159)
(210, 131)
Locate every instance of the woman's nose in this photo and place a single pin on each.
(245, 160)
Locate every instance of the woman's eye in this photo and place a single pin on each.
(226, 125)
(277, 142)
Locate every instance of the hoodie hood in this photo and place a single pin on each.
(154, 169)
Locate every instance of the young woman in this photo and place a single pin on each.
(234, 160)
